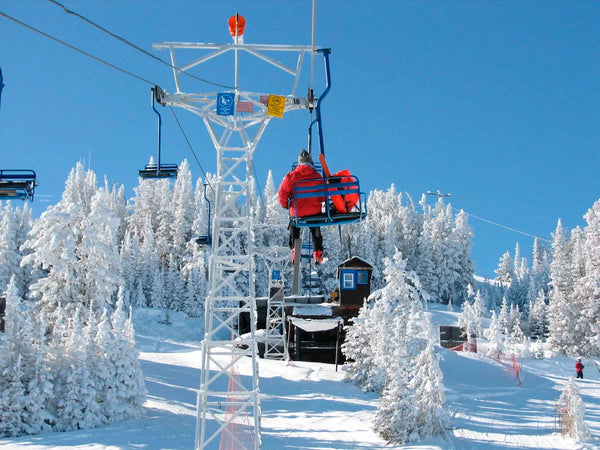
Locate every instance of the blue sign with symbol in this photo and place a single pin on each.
(225, 104)
(276, 275)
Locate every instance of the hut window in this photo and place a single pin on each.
(348, 279)
(362, 277)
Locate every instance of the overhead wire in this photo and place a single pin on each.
(83, 52)
(191, 148)
(506, 227)
(125, 41)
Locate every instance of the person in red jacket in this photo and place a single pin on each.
(579, 368)
(304, 206)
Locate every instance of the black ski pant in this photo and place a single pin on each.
(317, 237)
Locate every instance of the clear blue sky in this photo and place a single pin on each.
(495, 102)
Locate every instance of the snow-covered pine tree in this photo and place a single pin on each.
(397, 414)
(151, 265)
(571, 412)
(357, 348)
(538, 319)
(183, 212)
(587, 282)
(495, 336)
(505, 269)
(562, 313)
(461, 265)
(427, 383)
(76, 401)
(517, 339)
(11, 396)
(470, 323)
(19, 412)
(132, 268)
(14, 226)
(518, 289)
(98, 252)
(102, 364)
(503, 317)
(130, 391)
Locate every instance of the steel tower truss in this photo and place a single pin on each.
(227, 401)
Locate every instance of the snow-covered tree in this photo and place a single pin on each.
(357, 348)
(469, 322)
(571, 412)
(427, 384)
(505, 269)
(130, 392)
(14, 226)
(503, 317)
(495, 336)
(76, 403)
(21, 400)
(563, 311)
(538, 318)
(586, 280)
(480, 307)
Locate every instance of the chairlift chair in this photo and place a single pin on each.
(205, 239)
(335, 190)
(158, 170)
(17, 184)
(344, 202)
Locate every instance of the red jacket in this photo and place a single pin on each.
(305, 206)
(578, 367)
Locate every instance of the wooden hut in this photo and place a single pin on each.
(354, 277)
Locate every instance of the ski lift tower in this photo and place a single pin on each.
(228, 405)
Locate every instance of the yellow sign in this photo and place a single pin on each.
(275, 106)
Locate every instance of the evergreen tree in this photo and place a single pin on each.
(18, 414)
(480, 308)
(495, 336)
(571, 411)
(586, 281)
(397, 414)
(183, 211)
(470, 324)
(14, 226)
(563, 311)
(503, 317)
(538, 320)
(76, 404)
(505, 269)
(103, 357)
(429, 393)
(357, 349)
(130, 392)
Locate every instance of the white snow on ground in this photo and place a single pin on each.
(307, 406)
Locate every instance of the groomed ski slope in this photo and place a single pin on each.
(307, 406)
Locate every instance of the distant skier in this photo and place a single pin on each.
(579, 368)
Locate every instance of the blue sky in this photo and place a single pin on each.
(495, 102)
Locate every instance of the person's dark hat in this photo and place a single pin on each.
(304, 157)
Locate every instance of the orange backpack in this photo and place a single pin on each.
(344, 203)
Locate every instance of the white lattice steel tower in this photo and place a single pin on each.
(228, 405)
(275, 333)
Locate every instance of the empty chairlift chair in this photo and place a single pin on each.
(158, 170)
(17, 184)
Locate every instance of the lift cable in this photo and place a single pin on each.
(125, 41)
(506, 227)
(440, 195)
(83, 52)
(191, 148)
(258, 189)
